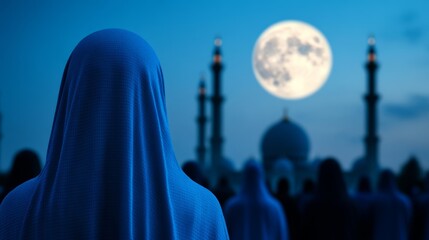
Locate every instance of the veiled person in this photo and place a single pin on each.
(110, 171)
(253, 213)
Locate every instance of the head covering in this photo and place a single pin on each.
(330, 214)
(254, 213)
(111, 172)
(253, 181)
(26, 165)
(331, 185)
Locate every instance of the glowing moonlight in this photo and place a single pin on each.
(292, 59)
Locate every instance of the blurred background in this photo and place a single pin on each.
(38, 36)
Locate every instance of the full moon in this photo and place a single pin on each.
(292, 59)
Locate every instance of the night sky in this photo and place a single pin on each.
(37, 37)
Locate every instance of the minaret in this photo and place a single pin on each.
(217, 99)
(201, 122)
(371, 98)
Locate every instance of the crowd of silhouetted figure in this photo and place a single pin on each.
(324, 209)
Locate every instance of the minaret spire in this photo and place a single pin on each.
(371, 99)
(201, 121)
(285, 114)
(217, 99)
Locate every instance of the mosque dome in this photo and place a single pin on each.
(285, 140)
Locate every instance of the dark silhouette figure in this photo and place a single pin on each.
(254, 213)
(308, 188)
(3, 177)
(409, 177)
(193, 171)
(26, 165)
(331, 213)
(392, 210)
(420, 222)
(111, 171)
(290, 207)
(223, 191)
(364, 200)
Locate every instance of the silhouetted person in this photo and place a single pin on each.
(306, 195)
(26, 165)
(193, 170)
(392, 210)
(3, 177)
(308, 186)
(331, 213)
(290, 207)
(253, 213)
(223, 191)
(110, 171)
(420, 222)
(409, 177)
(364, 200)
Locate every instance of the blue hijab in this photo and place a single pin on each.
(111, 172)
(254, 213)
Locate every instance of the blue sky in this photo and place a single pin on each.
(36, 38)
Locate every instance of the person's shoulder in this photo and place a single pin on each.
(212, 205)
(13, 209)
(19, 195)
(274, 205)
(197, 198)
(404, 199)
(213, 216)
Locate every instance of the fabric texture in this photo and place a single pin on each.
(254, 213)
(110, 171)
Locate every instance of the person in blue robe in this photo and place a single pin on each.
(393, 210)
(364, 199)
(253, 213)
(110, 171)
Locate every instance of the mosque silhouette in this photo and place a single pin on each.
(285, 146)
